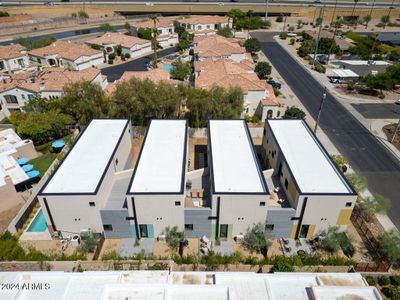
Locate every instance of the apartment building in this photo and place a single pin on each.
(157, 190)
(13, 59)
(312, 192)
(259, 98)
(239, 193)
(87, 190)
(205, 25)
(48, 83)
(131, 45)
(68, 55)
(166, 37)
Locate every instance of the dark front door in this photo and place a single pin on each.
(224, 231)
(143, 231)
(304, 231)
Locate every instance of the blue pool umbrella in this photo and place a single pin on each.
(58, 144)
(22, 161)
(33, 174)
(27, 168)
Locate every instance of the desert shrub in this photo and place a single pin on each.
(383, 280)
(111, 56)
(395, 280)
(370, 280)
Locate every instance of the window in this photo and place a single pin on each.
(11, 99)
(177, 203)
(189, 227)
(23, 96)
(143, 231)
(269, 227)
(92, 204)
(107, 227)
(224, 231)
(30, 97)
(116, 162)
(125, 204)
(286, 183)
(348, 204)
(262, 203)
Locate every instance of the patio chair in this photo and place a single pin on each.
(285, 241)
(287, 248)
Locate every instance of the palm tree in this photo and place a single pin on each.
(154, 40)
(370, 15)
(354, 7)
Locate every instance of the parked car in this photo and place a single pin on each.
(300, 40)
(292, 34)
(397, 102)
(275, 85)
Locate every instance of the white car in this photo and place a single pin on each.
(292, 34)
(397, 102)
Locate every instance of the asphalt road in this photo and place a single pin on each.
(378, 110)
(365, 153)
(115, 72)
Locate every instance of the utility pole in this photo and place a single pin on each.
(395, 132)
(284, 25)
(319, 110)
(266, 10)
(321, 17)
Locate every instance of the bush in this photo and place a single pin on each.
(263, 69)
(282, 266)
(319, 68)
(110, 61)
(111, 56)
(252, 45)
(294, 112)
(277, 92)
(283, 36)
(291, 28)
(279, 19)
(225, 32)
(370, 280)
(292, 41)
(383, 280)
(395, 280)
(127, 56)
(391, 292)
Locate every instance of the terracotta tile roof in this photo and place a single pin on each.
(11, 51)
(217, 45)
(227, 73)
(118, 38)
(205, 20)
(65, 49)
(48, 79)
(162, 22)
(271, 99)
(155, 75)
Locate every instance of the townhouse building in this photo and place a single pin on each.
(67, 55)
(205, 25)
(131, 45)
(47, 82)
(13, 59)
(167, 37)
(84, 192)
(313, 193)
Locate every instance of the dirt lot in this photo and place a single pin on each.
(7, 215)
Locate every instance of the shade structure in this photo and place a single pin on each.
(33, 174)
(27, 168)
(23, 160)
(58, 144)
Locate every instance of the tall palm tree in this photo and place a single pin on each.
(370, 15)
(154, 40)
(354, 7)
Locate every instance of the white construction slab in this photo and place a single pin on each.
(83, 168)
(162, 159)
(234, 162)
(312, 169)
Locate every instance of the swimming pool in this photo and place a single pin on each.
(167, 68)
(38, 224)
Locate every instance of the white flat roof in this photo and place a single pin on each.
(234, 163)
(311, 168)
(83, 168)
(365, 62)
(341, 73)
(161, 164)
(114, 285)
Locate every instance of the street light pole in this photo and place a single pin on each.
(321, 17)
(395, 132)
(319, 110)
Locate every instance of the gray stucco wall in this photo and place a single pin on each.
(281, 218)
(199, 218)
(116, 218)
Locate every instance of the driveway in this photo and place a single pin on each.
(115, 72)
(365, 153)
(378, 110)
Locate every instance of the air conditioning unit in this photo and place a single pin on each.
(161, 237)
(239, 238)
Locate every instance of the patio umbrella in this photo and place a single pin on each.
(27, 168)
(33, 174)
(22, 161)
(58, 144)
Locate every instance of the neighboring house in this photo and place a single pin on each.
(205, 25)
(131, 45)
(312, 193)
(341, 75)
(87, 190)
(13, 59)
(364, 67)
(218, 47)
(12, 176)
(227, 73)
(68, 55)
(48, 83)
(166, 32)
(157, 190)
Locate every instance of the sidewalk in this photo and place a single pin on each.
(329, 146)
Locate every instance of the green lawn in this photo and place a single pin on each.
(43, 162)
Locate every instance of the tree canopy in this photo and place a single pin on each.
(390, 245)
(294, 112)
(181, 70)
(257, 239)
(263, 69)
(252, 45)
(225, 32)
(242, 20)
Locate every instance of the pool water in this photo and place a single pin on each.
(167, 68)
(38, 224)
